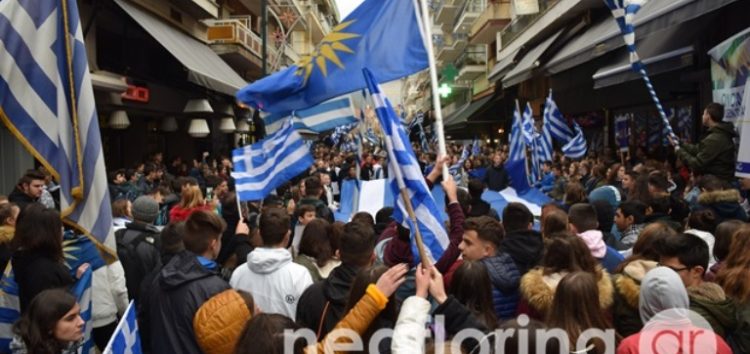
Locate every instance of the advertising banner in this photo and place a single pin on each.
(730, 68)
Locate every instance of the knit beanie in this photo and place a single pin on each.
(145, 209)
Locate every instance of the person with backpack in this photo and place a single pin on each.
(138, 245)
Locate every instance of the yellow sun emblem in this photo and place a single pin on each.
(327, 50)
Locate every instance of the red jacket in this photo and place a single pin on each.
(180, 214)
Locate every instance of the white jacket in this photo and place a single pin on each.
(109, 295)
(275, 282)
(409, 333)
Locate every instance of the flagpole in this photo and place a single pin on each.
(417, 234)
(425, 25)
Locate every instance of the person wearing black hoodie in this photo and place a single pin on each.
(322, 304)
(521, 242)
(189, 279)
(496, 177)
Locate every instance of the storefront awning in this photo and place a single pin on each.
(205, 68)
(502, 67)
(462, 115)
(604, 35)
(526, 66)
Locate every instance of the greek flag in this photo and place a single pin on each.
(267, 164)
(576, 148)
(82, 292)
(10, 308)
(416, 121)
(126, 339)
(624, 12)
(517, 146)
(424, 143)
(371, 137)
(555, 123)
(405, 174)
(453, 170)
(318, 119)
(47, 102)
(528, 125)
(340, 132)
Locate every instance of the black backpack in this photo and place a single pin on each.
(133, 266)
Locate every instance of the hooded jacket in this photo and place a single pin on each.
(526, 247)
(328, 295)
(725, 203)
(538, 290)
(714, 155)
(710, 301)
(20, 198)
(627, 288)
(505, 278)
(181, 287)
(661, 290)
(219, 322)
(275, 282)
(710, 241)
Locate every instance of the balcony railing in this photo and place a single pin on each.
(234, 30)
(473, 56)
(470, 7)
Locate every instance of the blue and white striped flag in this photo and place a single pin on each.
(404, 173)
(476, 150)
(267, 164)
(416, 121)
(555, 122)
(576, 148)
(424, 143)
(624, 12)
(318, 119)
(528, 125)
(126, 339)
(47, 102)
(453, 170)
(82, 292)
(10, 307)
(371, 137)
(517, 146)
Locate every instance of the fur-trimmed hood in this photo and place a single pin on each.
(723, 196)
(628, 284)
(539, 290)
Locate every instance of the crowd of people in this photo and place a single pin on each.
(626, 248)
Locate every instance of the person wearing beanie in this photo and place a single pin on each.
(220, 321)
(138, 244)
(662, 289)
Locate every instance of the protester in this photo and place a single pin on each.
(323, 304)
(716, 153)
(138, 245)
(583, 221)
(8, 217)
(38, 262)
(316, 251)
(481, 242)
(122, 213)
(52, 324)
(496, 177)
(723, 238)
(269, 275)
(662, 290)
(311, 196)
(28, 189)
(109, 301)
(521, 241)
(629, 219)
(734, 280)
(184, 284)
(192, 201)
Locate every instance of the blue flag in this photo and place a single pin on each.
(267, 164)
(517, 146)
(47, 102)
(404, 173)
(82, 292)
(126, 338)
(382, 35)
(576, 148)
(323, 117)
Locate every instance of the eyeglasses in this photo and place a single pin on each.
(677, 270)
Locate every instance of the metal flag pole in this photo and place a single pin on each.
(424, 23)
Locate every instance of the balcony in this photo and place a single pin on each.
(492, 20)
(319, 26)
(446, 12)
(450, 49)
(280, 7)
(472, 64)
(469, 13)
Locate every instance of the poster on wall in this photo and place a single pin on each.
(622, 131)
(525, 7)
(730, 68)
